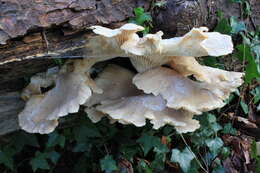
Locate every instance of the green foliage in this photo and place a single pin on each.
(244, 106)
(142, 18)
(6, 155)
(255, 156)
(252, 69)
(256, 93)
(143, 167)
(228, 129)
(108, 164)
(148, 142)
(236, 26)
(249, 50)
(55, 139)
(206, 143)
(215, 145)
(39, 161)
(184, 158)
(246, 8)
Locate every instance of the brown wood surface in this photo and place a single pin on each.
(32, 32)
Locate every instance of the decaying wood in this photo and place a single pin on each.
(11, 105)
(33, 32)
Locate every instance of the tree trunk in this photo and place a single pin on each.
(32, 32)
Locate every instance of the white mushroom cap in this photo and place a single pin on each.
(221, 82)
(94, 115)
(180, 92)
(106, 32)
(150, 44)
(135, 110)
(69, 93)
(198, 43)
(151, 50)
(71, 90)
(108, 43)
(35, 124)
(116, 82)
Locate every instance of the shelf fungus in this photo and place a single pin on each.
(71, 89)
(170, 94)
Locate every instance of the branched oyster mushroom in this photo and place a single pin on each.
(116, 82)
(113, 87)
(32, 123)
(94, 115)
(169, 96)
(152, 51)
(221, 82)
(108, 43)
(180, 92)
(135, 110)
(38, 81)
(71, 90)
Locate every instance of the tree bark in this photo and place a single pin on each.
(32, 32)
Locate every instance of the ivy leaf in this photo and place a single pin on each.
(55, 139)
(214, 145)
(252, 69)
(143, 167)
(82, 147)
(129, 151)
(236, 26)
(141, 16)
(218, 169)
(39, 162)
(228, 129)
(53, 156)
(148, 142)
(223, 26)
(225, 152)
(256, 93)
(213, 62)
(254, 155)
(194, 167)
(184, 158)
(6, 157)
(20, 139)
(108, 164)
(244, 107)
(158, 162)
(85, 131)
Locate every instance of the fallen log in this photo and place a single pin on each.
(32, 33)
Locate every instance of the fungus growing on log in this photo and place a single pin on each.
(136, 109)
(178, 91)
(164, 95)
(72, 89)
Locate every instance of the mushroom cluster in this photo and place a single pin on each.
(169, 94)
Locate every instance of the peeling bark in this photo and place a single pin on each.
(18, 17)
(32, 32)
